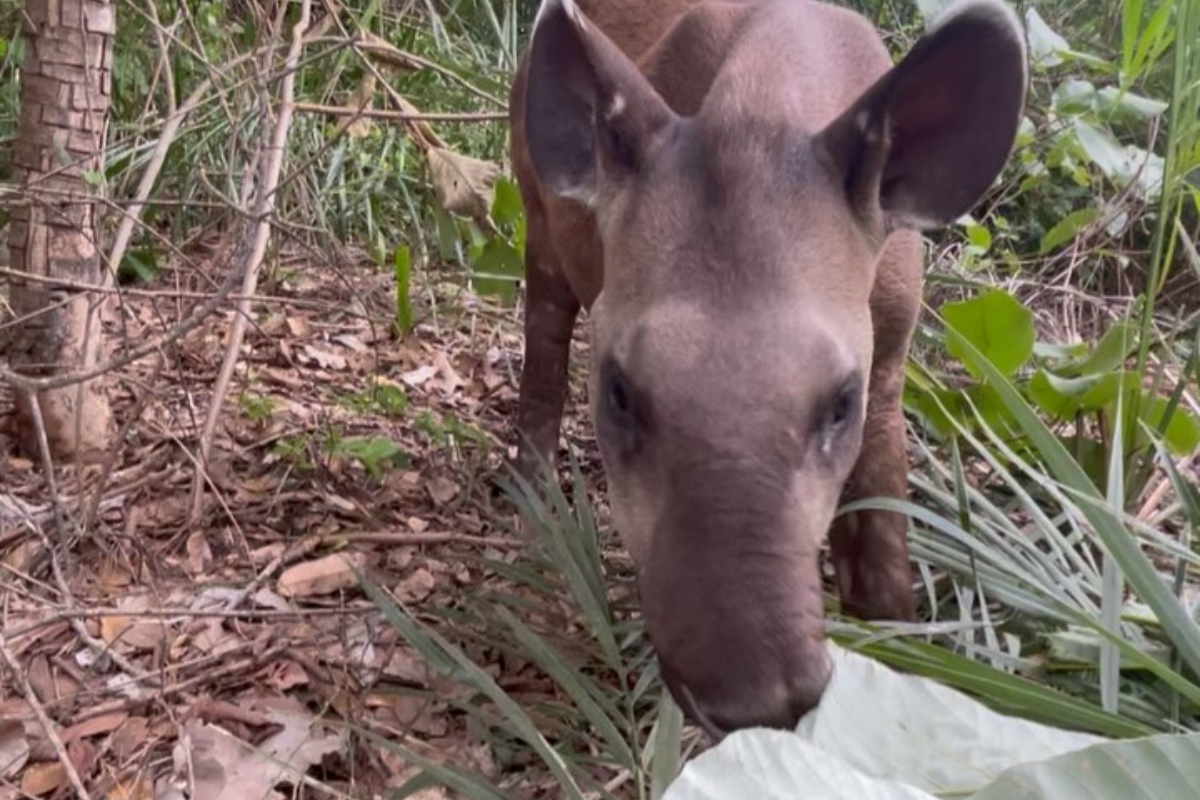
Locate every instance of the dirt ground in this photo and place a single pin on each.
(156, 628)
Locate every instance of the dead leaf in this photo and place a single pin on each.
(139, 633)
(286, 675)
(463, 185)
(351, 342)
(407, 667)
(131, 737)
(417, 586)
(361, 98)
(451, 380)
(418, 525)
(14, 748)
(44, 778)
(226, 768)
(140, 787)
(411, 713)
(262, 484)
(322, 576)
(298, 327)
(419, 377)
(322, 358)
(95, 725)
(442, 490)
(199, 554)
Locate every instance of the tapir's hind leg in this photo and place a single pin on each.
(870, 548)
(551, 309)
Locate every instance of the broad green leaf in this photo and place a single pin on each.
(1067, 228)
(1102, 149)
(979, 237)
(1064, 397)
(1158, 767)
(1182, 433)
(767, 764)
(996, 324)
(915, 730)
(877, 733)
(506, 205)
(497, 268)
(663, 746)
(1044, 44)
(1073, 96)
(1110, 99)
(1116, 345)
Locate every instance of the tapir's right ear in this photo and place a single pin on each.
(589, 112)
(923, 144)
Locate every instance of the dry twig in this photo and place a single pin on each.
(272, 166)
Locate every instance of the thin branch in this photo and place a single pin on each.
(402, 116)
(44, 720)
(272, 166)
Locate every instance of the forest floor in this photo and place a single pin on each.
(158, 639)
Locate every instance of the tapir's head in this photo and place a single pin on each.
(732, 340)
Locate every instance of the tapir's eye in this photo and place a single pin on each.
(843, 405)
(623, 413)
(618, 394)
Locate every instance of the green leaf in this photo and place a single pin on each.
(497, 268)
(401, 269)
(1102, 149)
(1073, 96)
(1112, 100)
(1117, 344)
(979, 237)
(1107, 523)
(1045, 46)
(1066, 397)
(1182, 433)
(506, 205)
(1067, 228)
(1167, 765)
(372, 452)
(995, 324)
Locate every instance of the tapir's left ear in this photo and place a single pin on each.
(925, 142)
(590, 115)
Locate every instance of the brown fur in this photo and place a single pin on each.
(743, 286)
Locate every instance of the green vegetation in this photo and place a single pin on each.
(1052, 389)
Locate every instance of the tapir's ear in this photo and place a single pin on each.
(588, 110)
(924, 143)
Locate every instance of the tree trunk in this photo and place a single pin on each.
(65, 83)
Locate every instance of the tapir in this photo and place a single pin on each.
(735, 191)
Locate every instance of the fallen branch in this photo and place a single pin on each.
(44, 720)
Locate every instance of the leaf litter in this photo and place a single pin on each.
(232, 654)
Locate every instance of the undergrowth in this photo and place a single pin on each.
(1051, 390)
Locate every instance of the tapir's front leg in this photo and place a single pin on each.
(550, 312)
(870, 548)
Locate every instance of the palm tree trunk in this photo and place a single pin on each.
(65, 82)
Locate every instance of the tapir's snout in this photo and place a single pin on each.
(732, 599)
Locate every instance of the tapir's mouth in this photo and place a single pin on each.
(739, 649)
(692, 709)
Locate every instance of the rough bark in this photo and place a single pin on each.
(65, 82)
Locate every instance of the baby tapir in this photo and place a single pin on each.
(734, 189)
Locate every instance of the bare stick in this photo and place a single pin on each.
(44, 719)
(402, 116)
(272, 166)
